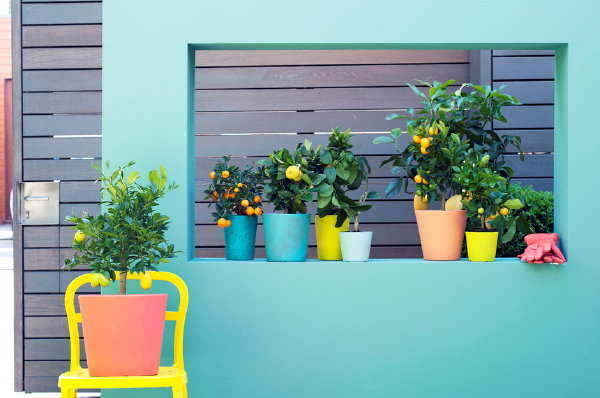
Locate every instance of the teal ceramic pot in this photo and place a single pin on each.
(240, 238)
(286, 236)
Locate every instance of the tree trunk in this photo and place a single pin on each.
(123, 282)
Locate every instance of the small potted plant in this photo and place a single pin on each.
(289, 183)
(236, 194)
(439, 136)
(128, 236)
(356, 244)
(490, 207)
(344, 172)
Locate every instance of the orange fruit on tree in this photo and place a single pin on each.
(418, 179)
(232, 195)
(249, 210)
(424, 151)
(221, 222)
(236, 190)
(239, 185)
(504, 211)
(245, 203)
(258, 211)
(425, 143)
(433, 131)
(257, 199)
(416, 139)
(425, 181)
(211, 174)
(225, 174)
(227, 223)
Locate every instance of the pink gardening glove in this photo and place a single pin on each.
(542, 248)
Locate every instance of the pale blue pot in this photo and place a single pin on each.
(240, 238)
(286, 236)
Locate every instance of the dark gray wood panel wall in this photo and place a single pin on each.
(249, 103)
(60, 94)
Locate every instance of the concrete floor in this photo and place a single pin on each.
(6, 327)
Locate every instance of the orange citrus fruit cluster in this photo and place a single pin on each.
(425, 142)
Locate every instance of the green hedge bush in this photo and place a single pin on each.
(539, 209)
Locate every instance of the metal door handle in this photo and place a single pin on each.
(28, 198)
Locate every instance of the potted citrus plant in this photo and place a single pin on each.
(489, 205)
(344, 172)
(356, 244)
(439, 135)
(236, 194)
(289, 184)
(128, 236)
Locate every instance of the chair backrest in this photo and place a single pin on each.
(74, 318)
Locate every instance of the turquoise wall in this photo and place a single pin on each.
(403, 328)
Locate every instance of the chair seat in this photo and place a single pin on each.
(166, 377)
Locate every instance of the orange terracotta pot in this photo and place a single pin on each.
(442, 233)
(123, 333)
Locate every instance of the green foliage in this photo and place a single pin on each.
(486, 193)
(241, 184)
(344, 171)
(538, 213)
(129, 235)
(450, 123)
(290, 178)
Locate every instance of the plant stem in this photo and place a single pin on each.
(482, 223)
(123, 281)
(443, 200)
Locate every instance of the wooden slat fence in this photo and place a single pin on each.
(61, 135)
(249, 103)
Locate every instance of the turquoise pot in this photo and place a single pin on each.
(240, 238)
(286, 236)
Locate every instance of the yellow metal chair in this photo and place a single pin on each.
(171, 376)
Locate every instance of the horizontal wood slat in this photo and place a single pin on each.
(41, 259)
(47, 125)
(66, 209)
(310, 99)
(528, 117)
(532, 92)
(259, 145)
(79, 191)
(521, 68)
(277, 122)
(326, 76)
(65, 102)
(62, 58)
(50, 170)
(40, 236)
(62, 36)
(48, 148)
(326, 57)
(49, 349)
(62, 80)
(59, 13)
(44, 304)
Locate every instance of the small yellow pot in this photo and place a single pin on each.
(481, 246)
(328, 237)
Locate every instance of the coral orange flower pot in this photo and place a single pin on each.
(442, 233)
(123, 333)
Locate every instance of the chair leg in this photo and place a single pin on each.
(177, 392)
(68, 393)
(184, 389)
